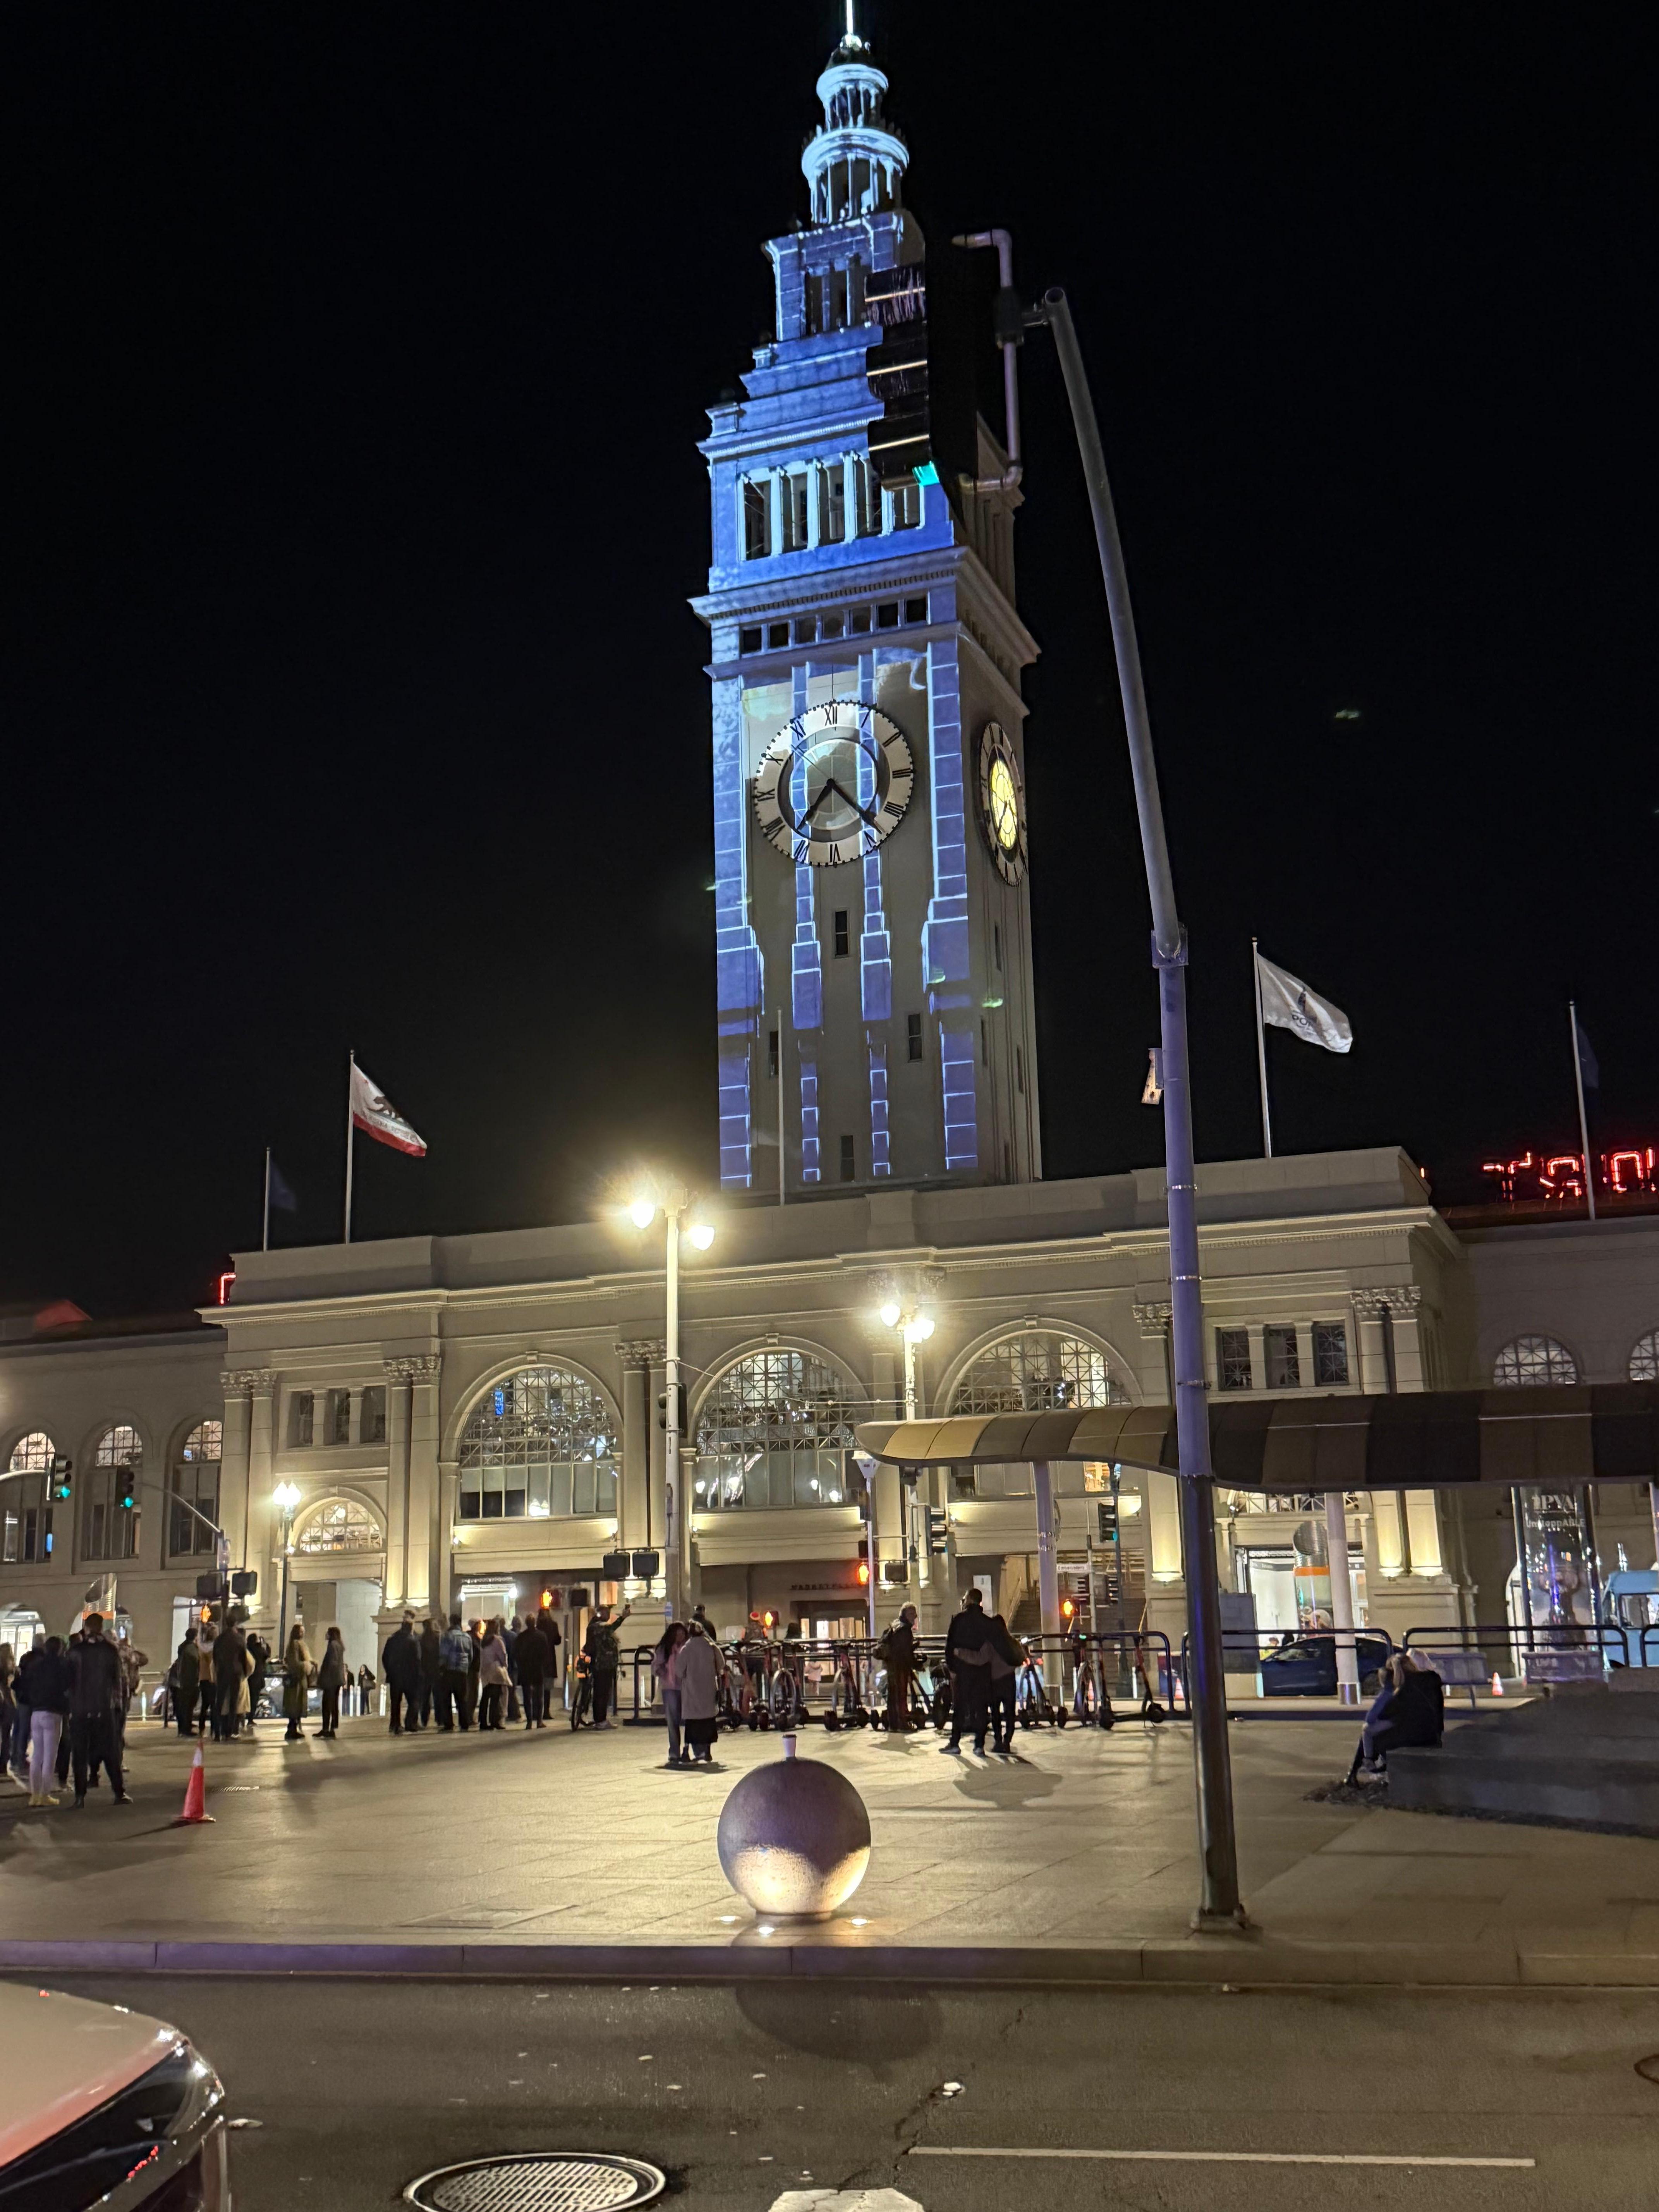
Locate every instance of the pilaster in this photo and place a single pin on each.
(639, 1508)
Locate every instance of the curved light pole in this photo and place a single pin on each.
(1219, 1905)
(675, 1203)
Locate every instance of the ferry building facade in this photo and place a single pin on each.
(471, 1422)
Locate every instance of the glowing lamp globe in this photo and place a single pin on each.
(794, 1839)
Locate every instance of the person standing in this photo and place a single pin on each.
(231, 1670)
(532, 1658)
(454, 1653)
(967, 1654)
(898, 1651)
(431, 1667)
(1007, 1659)
(296, 1682)
(7, 1701)
(549, 1629)
(696, 1673)
(400, 1664)
(46, 1687)
(330, 1680)
(474, 1666)
(492, 1674)
(604, 1657)
(365, 1689)
(207, 1706)
(182, 1681)
(509, 1636)
(662, 1666)
(97, 1694)
(259, 1652)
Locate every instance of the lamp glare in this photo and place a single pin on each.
(642, 1213)
(702, 1234)
(890, 1313)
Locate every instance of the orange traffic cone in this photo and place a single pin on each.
(195, 1795)
(1496, 1684)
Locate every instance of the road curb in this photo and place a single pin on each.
(1246, 1961)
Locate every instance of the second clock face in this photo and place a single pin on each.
(834, 783)
(1002, 803)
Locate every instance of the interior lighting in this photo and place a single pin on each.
(643, 1212)
(702, 1234)
(890, 1313)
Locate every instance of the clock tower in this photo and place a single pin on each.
(871, 907)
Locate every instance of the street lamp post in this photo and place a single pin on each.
(286, 1496)
(915, 1326)
(675, 1202)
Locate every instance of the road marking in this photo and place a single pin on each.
(1222, 2157)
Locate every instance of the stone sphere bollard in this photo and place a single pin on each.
(795, 1838)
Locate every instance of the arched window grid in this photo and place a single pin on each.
(109, 1525)
(774, 1429)
(1530, 1360)
(33, 1454)
(26, 1533)
(193, 1492)
(541, 1445)
(1037, 1370)
(339, 1524)
(1645, 1358)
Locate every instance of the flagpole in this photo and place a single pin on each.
(1261, 1054)
(1584, 1124)
(351, 1073)
(265, 1241)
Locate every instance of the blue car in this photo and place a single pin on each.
(1306, 1667)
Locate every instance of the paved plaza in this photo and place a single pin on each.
(550, 1853)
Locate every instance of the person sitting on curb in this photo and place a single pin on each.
(1408, 1709)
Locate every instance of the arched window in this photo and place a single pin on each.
(1645, 1358)
(25, 1512)
(110, 1504)
(194, 1491)
(339, 1524)
(774, 1429)
(1534, 1359)
(541, 1444)
(1037, 1371)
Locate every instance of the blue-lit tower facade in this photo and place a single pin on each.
(871, 905)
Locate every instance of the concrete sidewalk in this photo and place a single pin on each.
(553, 1854)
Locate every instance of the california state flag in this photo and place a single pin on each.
(373, 1112)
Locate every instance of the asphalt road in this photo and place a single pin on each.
(744, 2095)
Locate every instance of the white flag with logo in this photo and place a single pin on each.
(1288, 1004)
(375, 1113)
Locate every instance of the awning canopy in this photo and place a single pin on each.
(1556, 1438)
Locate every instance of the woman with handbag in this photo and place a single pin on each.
(296, 1680)
(330, 1680)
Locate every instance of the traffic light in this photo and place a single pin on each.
(129, 1491)
(864, 1574)
(1067, 1611)
(679, 1409)
(63, 1467)
(938, 1531)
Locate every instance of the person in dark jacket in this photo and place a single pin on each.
(231, 1669)
(604, 1657)
(454, 1652)
(400, 1664)
(533, 1659)
(97, 1701)
(182, 1682)
(1409, 1709)
(42, 1686)
(259, 1652)
(549, 1630)
(431, 1667)
(1006, 1659)
(897, 1653)
(330, 1680)
(967, 1656)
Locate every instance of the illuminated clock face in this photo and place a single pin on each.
(1002, 803)
(834, 783)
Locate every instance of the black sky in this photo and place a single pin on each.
(355, 360)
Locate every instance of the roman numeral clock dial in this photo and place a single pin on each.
(834, 783)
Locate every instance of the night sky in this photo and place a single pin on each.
(356, 360)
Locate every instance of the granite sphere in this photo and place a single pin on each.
(794, 1839)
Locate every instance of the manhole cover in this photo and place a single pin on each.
(538, 2181)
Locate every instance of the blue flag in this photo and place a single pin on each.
(1587, 1066)
(282, 1191)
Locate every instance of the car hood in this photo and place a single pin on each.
(65, 2057)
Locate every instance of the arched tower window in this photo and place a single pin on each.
(193, 1481)
(1526, 1359)
(774, 1429)
(26, 1513)
(1037, 1370)
(542, 1444)
(339, 1524)
(110, 1503)
(1645, 1358)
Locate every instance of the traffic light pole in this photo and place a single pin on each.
(678, 1508)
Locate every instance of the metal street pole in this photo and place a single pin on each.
(1218, 1905)
(672, 1472)
(281, 1616)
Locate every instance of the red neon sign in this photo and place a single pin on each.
(225, 1282)
(1561, 1174)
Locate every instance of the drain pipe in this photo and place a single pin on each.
(1011, 334)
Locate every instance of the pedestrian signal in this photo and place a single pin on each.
(938, 1531)
(679, 1409)
(864, 1574)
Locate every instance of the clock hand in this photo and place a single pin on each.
(830, 784)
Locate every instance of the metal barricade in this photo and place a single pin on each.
(1545, 1651)
(1260, 1644)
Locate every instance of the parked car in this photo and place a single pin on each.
(101, 2106)
(1306, 1667)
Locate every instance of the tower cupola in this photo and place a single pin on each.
(854, 161)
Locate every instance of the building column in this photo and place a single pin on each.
(399, 1378)
(423, 1486)
(233, 1469)
(449, 1477)
(354, 1414)
(264, 1534)
(640, 1509)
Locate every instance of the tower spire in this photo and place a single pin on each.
(854, 160)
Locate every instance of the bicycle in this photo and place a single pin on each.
(846, 1706)
(785, 1702)
(581, 1695)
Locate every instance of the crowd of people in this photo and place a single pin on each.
(63, 1709)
